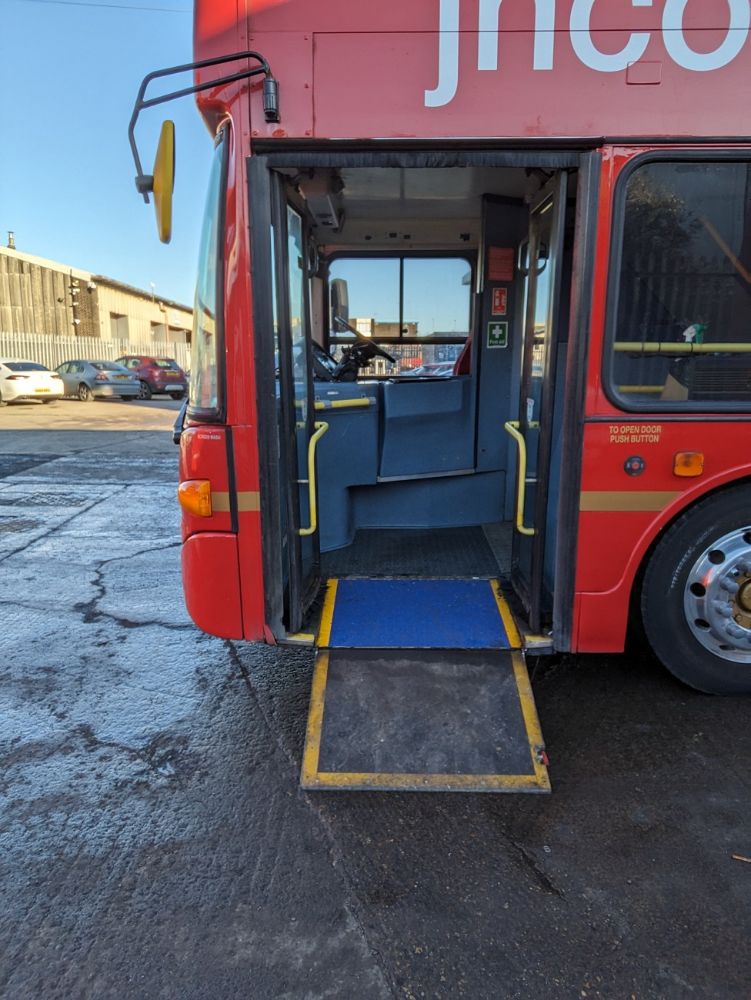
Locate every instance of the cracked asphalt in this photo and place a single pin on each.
(154, 842)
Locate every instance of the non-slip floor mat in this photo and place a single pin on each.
(413, 552)
(416, 614)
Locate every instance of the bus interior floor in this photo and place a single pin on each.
(474, 551)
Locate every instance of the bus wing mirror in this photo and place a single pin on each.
(339, 300)
(164, 180)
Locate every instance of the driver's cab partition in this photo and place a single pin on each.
(415, 319)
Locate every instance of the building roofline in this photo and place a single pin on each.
(53, 265)
(102, 279)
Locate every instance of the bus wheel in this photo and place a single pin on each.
(696, 597)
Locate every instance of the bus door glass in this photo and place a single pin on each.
(295, 411)
(541, 261)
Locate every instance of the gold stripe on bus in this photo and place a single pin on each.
(625, 500)
(249, 500)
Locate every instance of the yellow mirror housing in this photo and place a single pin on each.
(164, 180)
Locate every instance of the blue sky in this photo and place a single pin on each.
(69, 73)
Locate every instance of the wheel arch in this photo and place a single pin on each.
(637, 566)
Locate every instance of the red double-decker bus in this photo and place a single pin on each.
(473, 306)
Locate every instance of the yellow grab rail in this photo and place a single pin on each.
(512, 428)
(668, 347)
(320, 430)
(361, 402)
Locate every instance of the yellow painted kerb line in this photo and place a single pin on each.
(327, 615)
(512, 632)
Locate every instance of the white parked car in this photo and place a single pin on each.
(21, 379)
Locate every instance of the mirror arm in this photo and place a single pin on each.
(145, 182)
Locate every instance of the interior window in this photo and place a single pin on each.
(417, 307)
(683, 317)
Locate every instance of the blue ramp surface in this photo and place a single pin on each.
(417, 614)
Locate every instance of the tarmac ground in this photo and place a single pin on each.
(155, 842)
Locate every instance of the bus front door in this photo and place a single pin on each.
(540, 260)
(298, 431)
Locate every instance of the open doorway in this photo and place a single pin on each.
(431, 313)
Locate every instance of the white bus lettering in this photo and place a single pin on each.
(701, 62)
(487, 39)
(448, 56)
(583, 44)
(590, 55)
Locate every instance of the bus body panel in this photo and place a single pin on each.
(613, 543)
(464, 68)
(351, 49)
(227, 453)
(250, 540)
(212, 592)
(203, 455)
(622, 515)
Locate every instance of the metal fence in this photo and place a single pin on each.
(53, 351)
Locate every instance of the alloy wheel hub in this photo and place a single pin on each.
(717, 598)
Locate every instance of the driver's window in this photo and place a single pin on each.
(417, 308)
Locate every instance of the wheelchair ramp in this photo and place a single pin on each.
(420, 685)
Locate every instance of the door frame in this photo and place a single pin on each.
(265, 158)
(284, 605)
(302, 585)
(530, 591)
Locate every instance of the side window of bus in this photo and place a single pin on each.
(205, 377)
(418, 308)
(682, 322)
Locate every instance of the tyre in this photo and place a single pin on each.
(84, 393)
(3, 402)
(176, 395)
(145, 391)
(696, 596)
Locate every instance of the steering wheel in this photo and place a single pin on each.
(375, 348)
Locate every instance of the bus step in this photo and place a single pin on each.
(423, 720)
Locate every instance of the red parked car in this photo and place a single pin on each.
(157, 375)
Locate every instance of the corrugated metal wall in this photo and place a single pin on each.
(38, 296)
(140, 316)
(34, 298)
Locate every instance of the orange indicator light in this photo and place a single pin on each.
(688, 463)
(195, 497)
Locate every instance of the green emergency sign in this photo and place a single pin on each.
(498, 334)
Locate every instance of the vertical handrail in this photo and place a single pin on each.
(320, 429)
(512, 428)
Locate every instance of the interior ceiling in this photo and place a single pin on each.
(428, 207)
